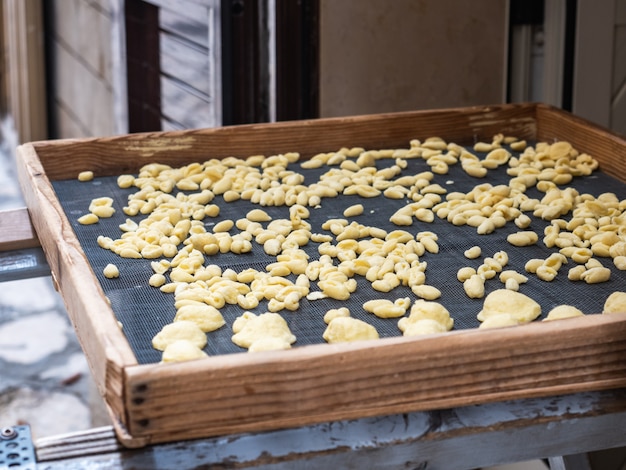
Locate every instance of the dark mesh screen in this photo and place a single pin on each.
(144, 310)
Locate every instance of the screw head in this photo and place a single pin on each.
(8, 433)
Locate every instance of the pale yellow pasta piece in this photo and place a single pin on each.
(500, 320)
(475, 169)
(533, 264)
(125, 181)
(473, 252)
(353, 211)
(498, 156)
(348, 329)
(316, 295)
(580, 255)
(104, 242)
(129, 226)
(85, 176)
(182, 350)
(615, 303)
(596, 274)
(157, 280)
(258, 215)
(423, 327)
(151, 252)
(88, 219)
(111, 271)
(434, 143)
(593, 263)
(363, 190)
(394, 192)
(223, 226)
(385, 308)
(336, 312)
(401, 219)
(102, 207)
(510, 274)
(518, 146)
(488, 271)
(179, 330)
(231, 196)
(486, 227)
(474, 286)
(426, 292)
(250, 328)
(207, 317)
(430, 244)
(433, 188)
(424, 309)
(389, 282)
(522, 221)
(424, 215)
(501, 258)
(502, 301)
(563, 311)
(465, 273)
(620, 262)
(212, 210)
(483, 147)
(334, 289)
(271, 343)
(524, 238)
(546, 273)
(575, 273)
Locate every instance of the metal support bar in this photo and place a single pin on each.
(16, 448)
(23, 264)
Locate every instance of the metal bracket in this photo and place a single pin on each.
(16, 449)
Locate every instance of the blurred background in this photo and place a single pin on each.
(79, 68)
(100, 67)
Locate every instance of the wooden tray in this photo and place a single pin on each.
(254, 392)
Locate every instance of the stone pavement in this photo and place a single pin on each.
(44, 377)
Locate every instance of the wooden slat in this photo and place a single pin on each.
(97, 330)
(243, 393)
(16, 230)
(127, 153)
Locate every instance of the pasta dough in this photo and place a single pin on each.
(207, 317)
(426, 310)
(182, 350)
(424, 326)
(271, 343)
(346, 329)
(563, 311)
(499, 321)
(250, 329)
(615, 303)
(180, 330)
(520, 308)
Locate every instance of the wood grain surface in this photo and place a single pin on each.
(16, 230)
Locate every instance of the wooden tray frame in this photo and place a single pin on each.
(255, 392)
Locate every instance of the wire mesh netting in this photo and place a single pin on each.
(144, 310)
